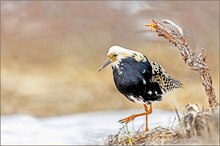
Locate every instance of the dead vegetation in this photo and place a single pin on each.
(196, 125)
(196, 62)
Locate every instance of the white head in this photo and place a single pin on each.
(117, 53)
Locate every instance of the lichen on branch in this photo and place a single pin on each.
(196, 62)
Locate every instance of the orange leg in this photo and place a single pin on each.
(147, 113)
(131, 118)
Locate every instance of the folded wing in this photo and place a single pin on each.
(165, 81)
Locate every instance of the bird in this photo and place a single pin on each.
(139, 79)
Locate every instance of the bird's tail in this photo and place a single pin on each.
(177, 84)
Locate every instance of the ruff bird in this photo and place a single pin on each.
(138, 79)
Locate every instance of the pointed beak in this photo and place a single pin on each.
(105, 64)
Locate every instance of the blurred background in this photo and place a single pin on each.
(51, 52)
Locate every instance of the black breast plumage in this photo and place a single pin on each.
(136, 80)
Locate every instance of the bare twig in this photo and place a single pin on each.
(177, 113)
(173, 24)
(194, 61)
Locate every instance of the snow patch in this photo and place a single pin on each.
(88, 128)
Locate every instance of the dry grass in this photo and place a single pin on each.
(195, 126)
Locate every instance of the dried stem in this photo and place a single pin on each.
(194, 61)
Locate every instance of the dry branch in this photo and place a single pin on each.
(195, 62)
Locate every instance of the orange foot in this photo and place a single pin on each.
(128, 119)
(131, 118)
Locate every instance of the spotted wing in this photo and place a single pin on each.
(165, 81)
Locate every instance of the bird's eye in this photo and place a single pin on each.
(115, 55)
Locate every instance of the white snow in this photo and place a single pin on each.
(87, 128)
